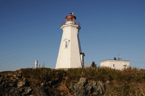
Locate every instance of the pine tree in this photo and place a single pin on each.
(93, 64)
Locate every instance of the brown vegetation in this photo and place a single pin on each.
(130, 81)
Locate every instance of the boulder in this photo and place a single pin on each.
(83, 88)
(39, 91)
(89, 89)
(79, 88)
(14, 92)
(72, 86)
(101, 87)
(18, 76)
(27, 90)
(21, 84)
(83, 81)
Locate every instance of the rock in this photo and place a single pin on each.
(27, 91)
(20, 90)
(12, 84)
(83, 88)
(101, 87)
(49, 83)
(42, 84)
(94, 83)
(13, 89)
(13, 79)
(107, 82)
(31, 95)
(24, 79)
(1, 79)
(14, 92)
(5, 84)
(21, 84)
(72, 86)
(19, 76)
(89, 89)
(79, 88)
(83, 81)
(39, 92)
(15, 76)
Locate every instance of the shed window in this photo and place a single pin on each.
(113, 65)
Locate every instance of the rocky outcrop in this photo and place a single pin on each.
(16, 85)
(85, 88)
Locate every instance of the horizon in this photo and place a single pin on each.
(30, 30)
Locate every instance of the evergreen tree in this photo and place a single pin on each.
(93, 64)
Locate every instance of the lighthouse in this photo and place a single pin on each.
(70, 54)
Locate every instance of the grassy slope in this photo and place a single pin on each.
(128, 81)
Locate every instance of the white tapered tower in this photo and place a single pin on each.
(70, 55)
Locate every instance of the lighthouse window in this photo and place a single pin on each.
(66, 45)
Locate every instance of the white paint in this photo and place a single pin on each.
(36, 63)
(69, 51)
(118, 64)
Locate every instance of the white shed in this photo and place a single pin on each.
(115, 64)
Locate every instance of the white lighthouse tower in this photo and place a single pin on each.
(70, 55)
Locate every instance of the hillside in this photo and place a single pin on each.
(73, 82)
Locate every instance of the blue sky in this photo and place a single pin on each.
(30, 30)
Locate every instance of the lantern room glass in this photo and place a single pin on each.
(70, 19)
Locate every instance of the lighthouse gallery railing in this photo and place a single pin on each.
(64, 22)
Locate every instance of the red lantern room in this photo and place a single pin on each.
(70, 17)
